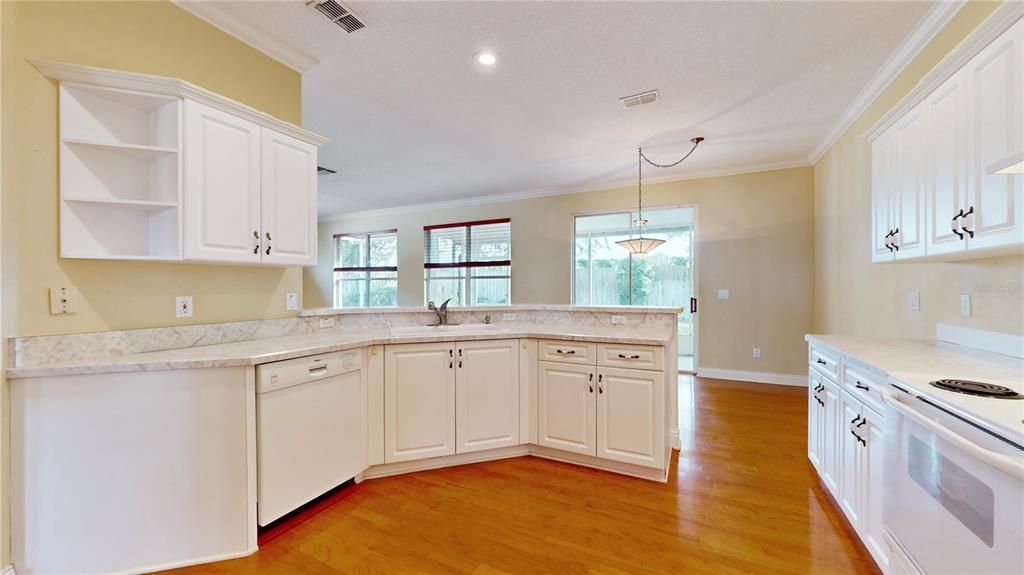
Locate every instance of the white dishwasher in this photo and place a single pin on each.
(311, 429)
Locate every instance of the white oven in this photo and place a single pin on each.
(954, 498)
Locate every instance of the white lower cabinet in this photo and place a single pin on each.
(450, 397)
(567, 407)
(845, 440)
(630, 425)
(419, 401)
(486, 395)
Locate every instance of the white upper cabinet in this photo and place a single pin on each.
(882, 210)
(287, 200)
(222, 186)
(995, 131)
(945, 165)
(932, 195)
(908, 188)
(156, 168)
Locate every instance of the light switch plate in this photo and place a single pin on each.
(326, 322)
(757, 353)
(914, 301)
(618, 320)
(965, 305)
(63, 300)
(723, 294)
(183, 306)
(291, 301)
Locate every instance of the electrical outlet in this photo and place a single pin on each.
(291, 301)
(723, 294)
(618, 320)
(183, 306)
(914, 301)
(63, 300)
(965, 305)
(757, 353)
(326, 322)
(508, 317)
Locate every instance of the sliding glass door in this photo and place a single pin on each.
(606, 274)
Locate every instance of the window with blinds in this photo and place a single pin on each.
(366, 269)
(469, 262)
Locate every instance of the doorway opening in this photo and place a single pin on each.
(606, 274)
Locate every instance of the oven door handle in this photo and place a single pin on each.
(1008, 465)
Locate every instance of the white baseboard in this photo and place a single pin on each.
(996, 342)
(187, 563)
(9, 570)
(648, 473)
(754, 376)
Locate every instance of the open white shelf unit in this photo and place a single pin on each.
(120, 166)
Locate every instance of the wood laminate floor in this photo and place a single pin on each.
(741, 498)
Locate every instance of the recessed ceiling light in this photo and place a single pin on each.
(486, 58)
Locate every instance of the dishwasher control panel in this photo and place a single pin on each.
(283, 374)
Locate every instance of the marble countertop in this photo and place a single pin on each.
(322, 311)
(257, 351)
(915, 363)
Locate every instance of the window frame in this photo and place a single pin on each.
(469, 265)
(368, 270)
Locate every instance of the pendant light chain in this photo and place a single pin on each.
(695, 141)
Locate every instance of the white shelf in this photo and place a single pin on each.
(135, 204)
(134, 150)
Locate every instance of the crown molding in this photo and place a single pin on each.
(933, 22)
(174, 87)
(221, 18)
(1005, 16)
(558, 191)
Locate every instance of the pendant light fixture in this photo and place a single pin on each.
(642, 245)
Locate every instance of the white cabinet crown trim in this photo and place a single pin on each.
(998, 22)
(166, 86)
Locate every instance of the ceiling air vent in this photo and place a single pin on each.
(339, 14)
(649, 97)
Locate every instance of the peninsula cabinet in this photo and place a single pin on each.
(156, 168)
(446, 398)
(932, 194)
(604, 411)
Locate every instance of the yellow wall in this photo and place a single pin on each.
(854, 296)
(150, 37)
(755, 237)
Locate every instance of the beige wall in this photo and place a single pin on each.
(854, 296)
(755, 237)
(150, 37)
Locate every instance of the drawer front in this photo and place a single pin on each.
(631, 356)
(865, 386)
(568, 351)
(825, 361)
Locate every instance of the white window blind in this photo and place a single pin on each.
(468, 262)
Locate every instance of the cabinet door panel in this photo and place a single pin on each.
(814, 419)
(487, 395)
(994, 79)
(873, 480)
(850, 457)
(222, 185)
(909, 184)
(288, 200)
(630, 416)
(419, 401)
(946, 165)
(830, 440)
(881, 197)
(566, 407)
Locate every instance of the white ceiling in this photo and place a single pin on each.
(413, 120)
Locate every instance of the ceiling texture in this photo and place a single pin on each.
(412, 119)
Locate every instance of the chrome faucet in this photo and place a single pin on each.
(442, 312)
